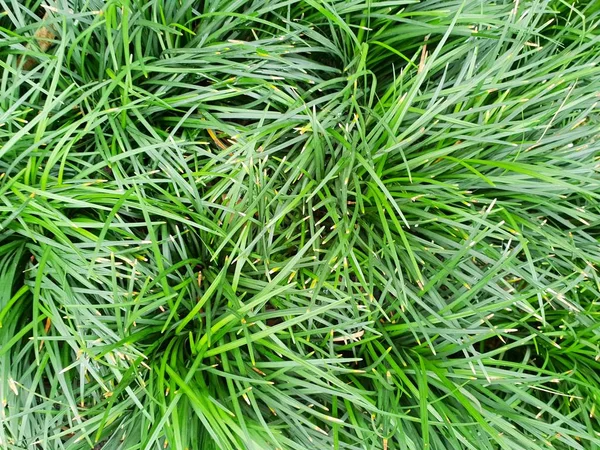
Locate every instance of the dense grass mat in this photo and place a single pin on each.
(317, 224)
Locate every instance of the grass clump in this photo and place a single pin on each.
(294, 224)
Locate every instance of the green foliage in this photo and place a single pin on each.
(300, 224)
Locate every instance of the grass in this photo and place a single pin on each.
(353, 224)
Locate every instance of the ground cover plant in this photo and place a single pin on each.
(299, 224)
